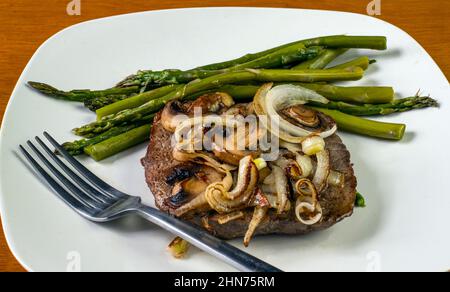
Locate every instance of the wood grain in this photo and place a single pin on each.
(25, 24)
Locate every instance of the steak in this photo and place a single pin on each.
(160, 170)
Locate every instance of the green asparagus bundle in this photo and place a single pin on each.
(263, 75)
(125, 112)
(78, 147)
(292, 54)
(363, 95)
(354, 96)
(277, 57)
(273, 58)
(118, 143)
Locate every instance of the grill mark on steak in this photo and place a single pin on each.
(337, 203)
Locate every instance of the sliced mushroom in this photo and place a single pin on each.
(201, 158)
(233, 157)
(185, 194)
(211, 103)
(172, 115)
(289, 120)
(240, 109)
(182, 172)
(309, 119)
(302, 115)
(175, 112)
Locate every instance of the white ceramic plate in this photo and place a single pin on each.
(406, 184)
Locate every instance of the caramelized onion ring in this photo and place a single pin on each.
(222, 200)
(304, 207)
(269, 101)
(307, 203)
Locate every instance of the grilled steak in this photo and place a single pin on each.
(162, 172)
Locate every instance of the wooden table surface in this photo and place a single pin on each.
(26, 24)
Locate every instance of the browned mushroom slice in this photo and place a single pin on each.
(186, 193)
(302, 115)
(241, 109)
(176, 112)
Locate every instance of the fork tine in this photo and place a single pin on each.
(92, 178)
(91, 191)
(76, 192)
(65, 196)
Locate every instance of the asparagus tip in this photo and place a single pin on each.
(46, 89)
(426, 101)
(41, 86)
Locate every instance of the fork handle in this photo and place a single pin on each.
(203, 240)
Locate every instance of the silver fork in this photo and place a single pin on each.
(97, 201)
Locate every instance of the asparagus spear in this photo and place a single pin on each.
(135, 101)
(365, 127)
(322, 60)
(81, 95)
(77, 147)
(362, 62)
(349, 42)
(359, 94)
(282, 57)
(364, 95)
(216, 81)
(396, 106)
(354, 94)
(118, 143)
